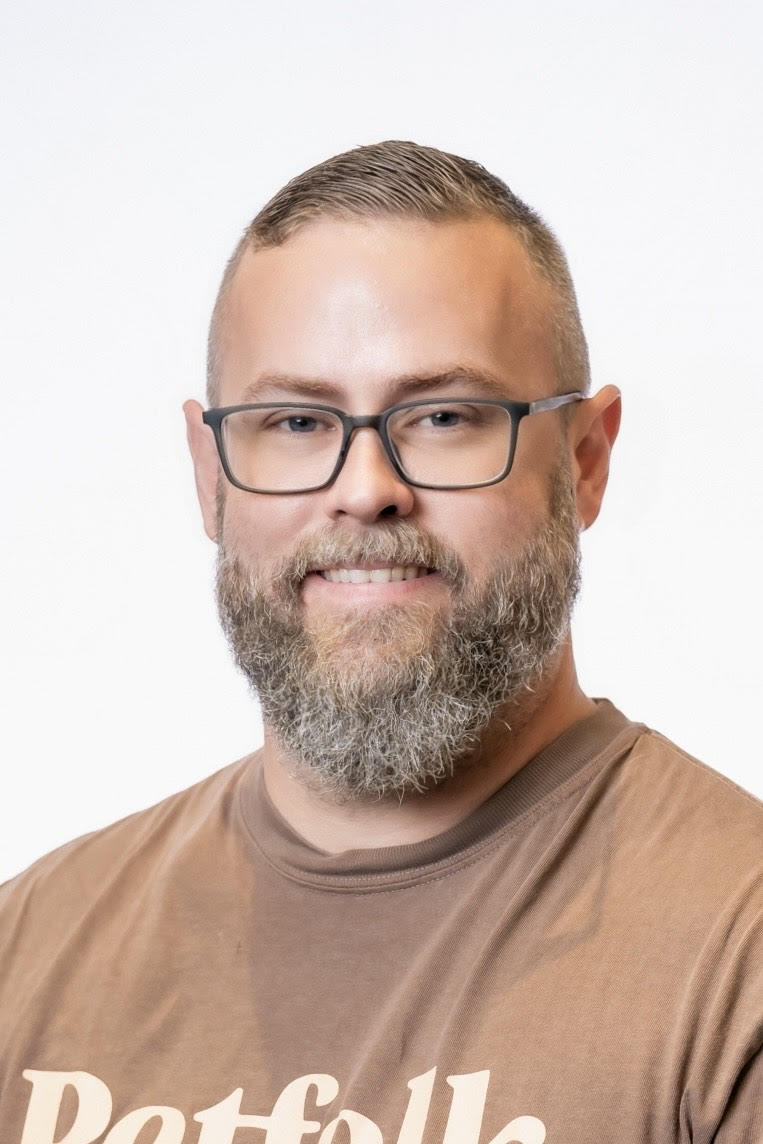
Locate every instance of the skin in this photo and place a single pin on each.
(357, 305)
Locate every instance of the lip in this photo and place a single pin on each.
(366, 565)
(317, 589)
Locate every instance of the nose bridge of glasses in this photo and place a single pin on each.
(373, 421)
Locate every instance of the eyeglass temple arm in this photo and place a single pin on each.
(545, 403)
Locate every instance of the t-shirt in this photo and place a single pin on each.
(577, 962)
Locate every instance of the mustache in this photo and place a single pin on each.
(402, 543)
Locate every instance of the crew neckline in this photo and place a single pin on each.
(574, 757)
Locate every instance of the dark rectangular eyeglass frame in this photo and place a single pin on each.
(516, 410)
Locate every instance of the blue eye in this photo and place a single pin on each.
(292, 423)
(300, 424)
(445, 417)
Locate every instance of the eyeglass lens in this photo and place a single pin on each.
(439, 444)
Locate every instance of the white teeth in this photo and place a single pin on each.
(374, 575)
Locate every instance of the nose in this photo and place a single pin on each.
(368, 487)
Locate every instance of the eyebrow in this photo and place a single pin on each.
(270, 385)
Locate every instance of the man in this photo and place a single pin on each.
(452, 900)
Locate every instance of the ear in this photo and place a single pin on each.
(592, 433)
(206, 465)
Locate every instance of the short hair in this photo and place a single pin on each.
(400, 179)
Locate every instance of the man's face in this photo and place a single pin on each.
(348, 314)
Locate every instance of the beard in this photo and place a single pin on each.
(396, 699)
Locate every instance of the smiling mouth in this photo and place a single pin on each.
(389, 574)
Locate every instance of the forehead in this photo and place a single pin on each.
(355, 303)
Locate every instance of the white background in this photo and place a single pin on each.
(139, 138)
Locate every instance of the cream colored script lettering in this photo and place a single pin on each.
(466, 1107)
(415, 1119)
(220, 1122)
(286, 1123)
(171, 1130)
(362, 1130)
(48, 1087)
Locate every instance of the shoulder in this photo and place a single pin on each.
(684, 786)
(690, 832)
(62, 885)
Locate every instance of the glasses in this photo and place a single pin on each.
(453, 443)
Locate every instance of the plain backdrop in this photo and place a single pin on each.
(139, 138)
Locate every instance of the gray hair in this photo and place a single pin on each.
(399, 179)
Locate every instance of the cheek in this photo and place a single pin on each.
(490, 525)
(259, 528)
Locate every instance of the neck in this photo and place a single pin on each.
(335, 827)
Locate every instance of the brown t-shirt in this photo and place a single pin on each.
(578, 962)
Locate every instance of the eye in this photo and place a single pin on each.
(450, 416)
(445, 418)
(296, 422)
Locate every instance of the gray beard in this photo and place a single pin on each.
(396, 699)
